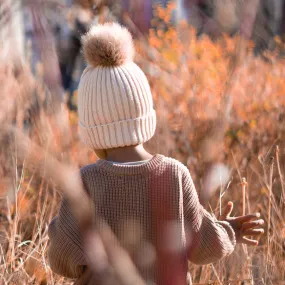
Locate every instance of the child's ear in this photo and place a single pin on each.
(101, 153)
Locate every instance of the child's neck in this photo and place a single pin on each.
(128, 154)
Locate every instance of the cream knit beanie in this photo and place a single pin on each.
(114, 98)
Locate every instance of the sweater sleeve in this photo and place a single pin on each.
(65, 252)
(209, 239)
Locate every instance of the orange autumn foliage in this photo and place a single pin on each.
(188, 76)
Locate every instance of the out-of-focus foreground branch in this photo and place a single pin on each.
(109, 263)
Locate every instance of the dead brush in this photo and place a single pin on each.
(23, 259)
(22, 103)
(254, 110)
(182, 83)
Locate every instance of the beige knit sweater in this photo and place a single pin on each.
(120, 193)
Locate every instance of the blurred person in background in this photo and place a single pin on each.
(79, 17)
(149, 201)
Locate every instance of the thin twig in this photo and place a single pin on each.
(269, 213)
(244, 185)
(280, 174)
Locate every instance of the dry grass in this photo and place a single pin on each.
(193, 89)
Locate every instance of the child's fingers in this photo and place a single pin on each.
(249, 241)
(252, 224)
(247, 218)
(253, 232)
(228, 209)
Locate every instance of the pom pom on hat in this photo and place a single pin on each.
(108, 45)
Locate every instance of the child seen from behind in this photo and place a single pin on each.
(149, 201)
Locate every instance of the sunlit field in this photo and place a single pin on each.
(221, 112)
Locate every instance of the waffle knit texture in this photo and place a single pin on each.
(120, 193)
(115, 107)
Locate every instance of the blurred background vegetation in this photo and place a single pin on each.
(216, 68)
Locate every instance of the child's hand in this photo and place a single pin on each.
(244, 226)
